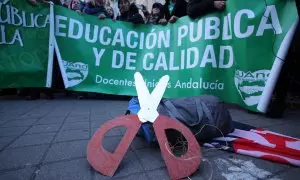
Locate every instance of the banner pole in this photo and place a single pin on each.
(51, 47)
(61, 66)
(276, 68)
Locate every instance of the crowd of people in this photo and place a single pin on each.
(161, 13)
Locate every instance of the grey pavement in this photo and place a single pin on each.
(47, 139)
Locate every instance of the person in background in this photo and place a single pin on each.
(124, 10)
(144, 12)
(157, 15)
(179, 10)
(82, 5)
(110, 12)
(130, 12)
(97, 8)
(198, 8)
(166, 10)
(74, 5)
(66, 4)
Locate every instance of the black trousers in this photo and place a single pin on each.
(290, 69)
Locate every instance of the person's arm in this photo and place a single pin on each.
(197, 8)
(163, 21)
(87, 10)
(104, 11)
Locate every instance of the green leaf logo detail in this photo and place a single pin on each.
(76, 72)
(250, 85)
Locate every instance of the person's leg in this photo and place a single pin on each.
(49, 93)
(9, 91)
(34, 93)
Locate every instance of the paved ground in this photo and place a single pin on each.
(47, 140)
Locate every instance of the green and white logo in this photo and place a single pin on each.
(250, 85)
(76, 72)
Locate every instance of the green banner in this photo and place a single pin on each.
(24, 44)
(228, 54)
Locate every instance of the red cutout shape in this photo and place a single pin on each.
(187, 164)
(104, 161)
(107, 163)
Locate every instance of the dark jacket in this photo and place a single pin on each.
(89, 8)
(132, 15)
(166, 10)
(180, 8)
(198, 8)
(154, 20)
(81, 6)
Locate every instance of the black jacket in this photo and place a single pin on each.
(132, 15)
(180, 8)
(198, 8)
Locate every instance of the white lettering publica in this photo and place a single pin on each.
(212, 31)
(275, 24)
(237, 23)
